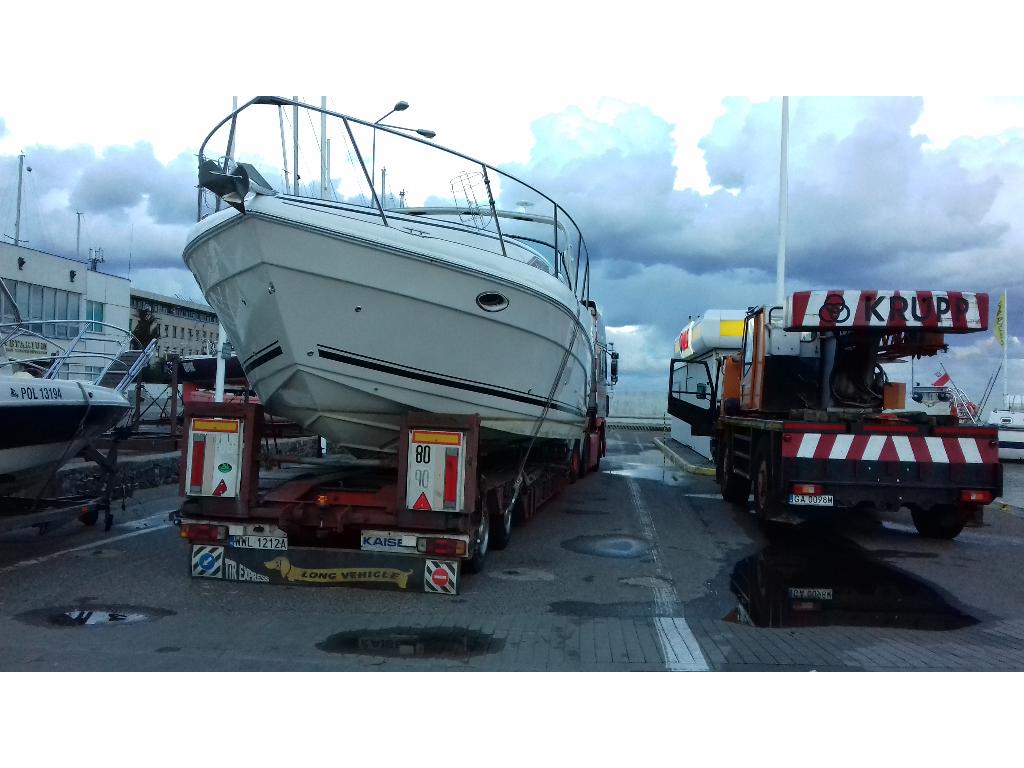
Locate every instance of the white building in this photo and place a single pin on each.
(47, 288)
(185, 327)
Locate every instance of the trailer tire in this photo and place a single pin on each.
(766, 505)
(475, 564)
(89, 517)
(943, 521)
(501, 527)
(575, 462)
(735, 489)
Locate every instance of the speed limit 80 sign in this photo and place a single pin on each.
(436, 469)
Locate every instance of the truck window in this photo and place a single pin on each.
(748, 347)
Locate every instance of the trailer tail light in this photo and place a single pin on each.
(321, 501)
(976, 497)
(442, 547)
(204, 532)
(808, 489)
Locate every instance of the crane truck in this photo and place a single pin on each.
(804, 414)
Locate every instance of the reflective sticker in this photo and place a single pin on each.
(207, 561)
(441, 576)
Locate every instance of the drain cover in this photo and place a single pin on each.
(412, 642)
(608, 546)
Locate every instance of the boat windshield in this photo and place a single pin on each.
(389, 175)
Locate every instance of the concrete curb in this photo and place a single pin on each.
(675, 458)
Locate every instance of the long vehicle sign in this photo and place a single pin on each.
(941, 311)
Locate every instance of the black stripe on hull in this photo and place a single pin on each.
(341, 356)
(266, 357)
(25, 425)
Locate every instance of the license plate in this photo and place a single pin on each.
(810, 501)
(258, 542)
(804, 593)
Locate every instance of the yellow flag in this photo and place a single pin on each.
(1000, 328)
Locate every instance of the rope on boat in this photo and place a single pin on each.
(518, 485)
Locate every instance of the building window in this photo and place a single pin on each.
(94, 312)
(165, 331)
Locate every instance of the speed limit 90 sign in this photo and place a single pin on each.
(436, 469)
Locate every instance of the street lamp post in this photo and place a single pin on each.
(400, 106)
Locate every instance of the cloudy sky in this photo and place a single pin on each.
(674, 182)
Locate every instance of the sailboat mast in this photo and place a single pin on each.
(323, 148)
(17, 216)
(1006, 348)
(295, 146)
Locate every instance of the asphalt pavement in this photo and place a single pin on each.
(640, 566)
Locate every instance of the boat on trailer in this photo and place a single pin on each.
(347, 315)
(50, 408)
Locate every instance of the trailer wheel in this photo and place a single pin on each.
(766, 505)
(475, 564)
(502, 527)
(943, 521)
(735, 489)
(90, 516)
(575, 463)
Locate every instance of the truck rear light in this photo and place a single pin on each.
(976, 497)
(808, 489)
(443, 547)
(204, 532)
(321, 501)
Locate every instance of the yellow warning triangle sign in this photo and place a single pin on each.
(422, 503)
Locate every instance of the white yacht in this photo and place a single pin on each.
(347, 314)
(1011, 433)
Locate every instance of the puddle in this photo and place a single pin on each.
(651, 582)
(584, 511)
(608, 546)
(805, 580)
(522, 574)
(89, 615)
(633, 609)
(668, 474)
(413, 643)
(94, 553)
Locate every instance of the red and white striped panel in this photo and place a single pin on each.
(924, 450)
(946, 311)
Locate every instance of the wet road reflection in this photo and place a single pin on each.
(809, 577)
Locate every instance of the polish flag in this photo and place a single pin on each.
(942, 381)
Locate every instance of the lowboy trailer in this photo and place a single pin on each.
(416, 523)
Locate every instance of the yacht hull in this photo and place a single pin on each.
(46, 422)
(344, 326)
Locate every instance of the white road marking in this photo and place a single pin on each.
(678, 645)
(715, 496)
(94, 544)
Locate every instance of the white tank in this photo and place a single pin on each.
(718, 329)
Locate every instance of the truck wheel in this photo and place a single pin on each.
(475, 564)
(766, 505)
(735, 489)
(575, 462)
(502, 527)
(944, 521)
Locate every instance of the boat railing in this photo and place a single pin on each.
(98, 352)
(569, 261)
